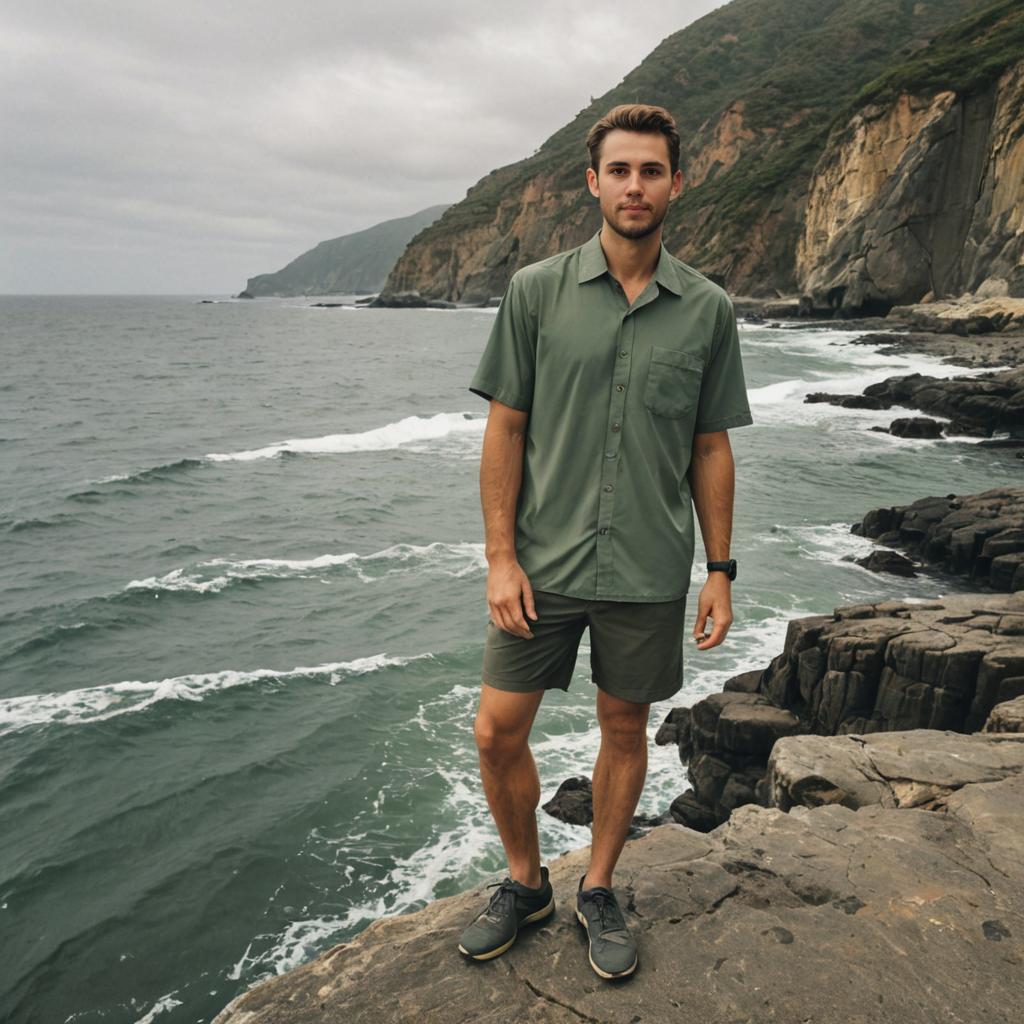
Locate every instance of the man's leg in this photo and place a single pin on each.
(509, 775)
(619, 774)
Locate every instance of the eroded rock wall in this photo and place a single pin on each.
(922, 197)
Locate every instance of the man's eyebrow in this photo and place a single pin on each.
(625, 163)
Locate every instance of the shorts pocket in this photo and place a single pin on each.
(673, 382)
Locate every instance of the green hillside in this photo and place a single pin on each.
(352, 264)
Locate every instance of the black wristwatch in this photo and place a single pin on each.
(729, 567)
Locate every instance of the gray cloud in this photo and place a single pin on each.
(182, 148)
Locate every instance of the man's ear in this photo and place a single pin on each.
(592, 183)
(677, 185)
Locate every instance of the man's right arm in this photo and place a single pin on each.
(501, 474)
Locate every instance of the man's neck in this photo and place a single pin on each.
(630, 260)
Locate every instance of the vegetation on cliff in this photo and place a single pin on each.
(355, 263)
(756, 87)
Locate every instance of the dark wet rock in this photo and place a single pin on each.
(887, 561)
(915, 426)
(979, 536)
(399, 300)
(573, 802)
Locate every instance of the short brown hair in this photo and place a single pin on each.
(635, 117)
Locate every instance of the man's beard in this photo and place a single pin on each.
(640, 230)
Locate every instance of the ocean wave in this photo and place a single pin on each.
(155, 474)
(98, 703)
(212, 576)
(391, 435)
(20, 525)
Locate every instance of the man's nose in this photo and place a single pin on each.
(635, 186)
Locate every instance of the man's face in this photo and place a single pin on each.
(634, 183)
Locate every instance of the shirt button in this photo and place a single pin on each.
(622, 355)
(610, 454)
(616, 427)
(608, 487)
(620, 387)
(604, 529)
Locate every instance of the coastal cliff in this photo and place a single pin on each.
(924, 195)
(772, 159)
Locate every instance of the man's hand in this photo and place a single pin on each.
(508, 592)
(715, 601)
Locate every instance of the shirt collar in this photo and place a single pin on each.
(592, 264)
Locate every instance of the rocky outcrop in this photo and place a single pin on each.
(895, 911)
(921, 196)
(865, 669)
(977, 536)
(968, 314)
(924, 768)
(978, 405)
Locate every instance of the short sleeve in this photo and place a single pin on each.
(506, 369)
(723, 390)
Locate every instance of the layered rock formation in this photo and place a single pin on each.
(865, 669)
(920, 196)
(862, 906)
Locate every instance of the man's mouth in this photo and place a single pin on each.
(636, 209)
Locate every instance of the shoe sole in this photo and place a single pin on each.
(604, 974)
(537, 915)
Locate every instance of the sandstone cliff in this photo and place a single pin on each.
(924, 195)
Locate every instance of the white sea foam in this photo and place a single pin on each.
(391, 435)
(457, 559)
(164, 1003)
(782, 401)
(98, 703)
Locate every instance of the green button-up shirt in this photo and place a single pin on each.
(615, 393)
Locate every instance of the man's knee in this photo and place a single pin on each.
(503, 722)
(623, 723)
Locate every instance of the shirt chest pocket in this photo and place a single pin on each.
(673, 382)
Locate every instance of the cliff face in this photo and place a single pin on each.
(756, 87)
(924, 194)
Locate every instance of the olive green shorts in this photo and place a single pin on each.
(636, 648)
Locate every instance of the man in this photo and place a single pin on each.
(613, 373)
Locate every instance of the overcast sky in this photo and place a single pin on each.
(184, 147)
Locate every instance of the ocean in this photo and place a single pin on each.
(242, 611)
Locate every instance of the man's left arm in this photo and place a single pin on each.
(712, 486)
(722, 405)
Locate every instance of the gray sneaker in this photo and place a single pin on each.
(511, 906)
(612, 948)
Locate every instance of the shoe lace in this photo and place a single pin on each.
(608, 911)
(502, 901)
